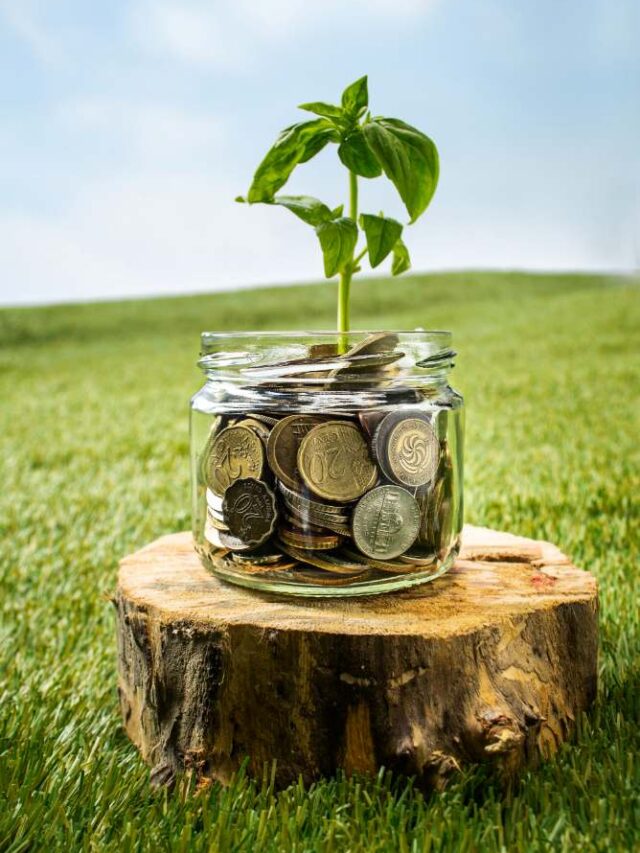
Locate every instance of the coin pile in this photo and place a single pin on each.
(329, 499)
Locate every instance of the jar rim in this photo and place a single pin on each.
(423, 356)
(322, 333)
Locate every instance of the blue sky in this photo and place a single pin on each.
(127, 128)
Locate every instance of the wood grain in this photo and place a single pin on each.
(493, 662)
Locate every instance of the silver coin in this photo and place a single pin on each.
(385, 522)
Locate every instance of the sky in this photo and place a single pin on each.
(127, 129)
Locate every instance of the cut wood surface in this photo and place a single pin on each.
(493, 662)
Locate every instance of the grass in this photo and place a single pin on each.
(94, 464)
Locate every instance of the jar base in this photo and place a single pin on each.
(334, 586)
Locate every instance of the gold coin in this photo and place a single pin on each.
(214, 521)
(372, 363)
(216, 426)
(322, 350)
(375, 343)
(334, 462)
(419, 557)
(303, 504)
(315, 524)
(412, 452)
(308, 541)
(258, 557)
(236, 453)
(257, 426)
(248, 567)
(393, 567)
(283, 444)
(264, 419)
(327, 562)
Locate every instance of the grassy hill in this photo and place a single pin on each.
(93, 449)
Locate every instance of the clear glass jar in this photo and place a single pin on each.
(326, 465)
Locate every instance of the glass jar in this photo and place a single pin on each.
(325, 464)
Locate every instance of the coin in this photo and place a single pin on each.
(214, 503)
(316, 523)
(385, 522)
(216, 426)
(283, 444)
(250, 511)
(215, 521)
(377, 342)
(223, 540)
(259, 557)
(265, 419)
(406, 448)
(306, 513)
(369, 421)
(300, 506)
(372, 362)
(419, 557)
(326, 561)
(257, 426)
(249, 567)
(442, 358)
(394, 567)
(302, 502)
(231, 543)
(338, 523)
(322, 350)
(334, 461)
(236, 453)
(311, 541)
(413, 452)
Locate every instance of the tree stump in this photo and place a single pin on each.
(493, 663)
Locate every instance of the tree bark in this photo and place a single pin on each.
(492, 663)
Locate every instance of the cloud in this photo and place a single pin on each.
(227, 34)
(150, 233)
(24, 21)
(146, 130)
(161, 233)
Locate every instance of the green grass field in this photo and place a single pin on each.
(94, 464)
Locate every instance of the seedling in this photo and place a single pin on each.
(368, 147)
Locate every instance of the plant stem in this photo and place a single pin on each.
(359, 257)
(347, 274)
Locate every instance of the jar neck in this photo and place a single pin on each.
(302, 364)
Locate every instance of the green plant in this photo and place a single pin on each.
(368, 147)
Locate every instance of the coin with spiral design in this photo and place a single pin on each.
(413, 451)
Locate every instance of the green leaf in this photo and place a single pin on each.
(356, 97)
(317, 142)
(338, 239)
(357, 156)
(296, 144)
(382, 235)
(310, 210)
(409, 159)
(322, 109)
(401, 261)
